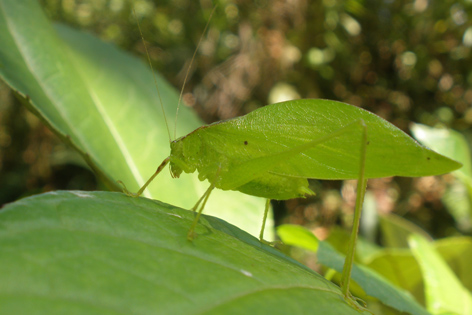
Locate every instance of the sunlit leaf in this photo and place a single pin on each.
(104, 103)
(444, 293)
(457, 252)
(448, 142)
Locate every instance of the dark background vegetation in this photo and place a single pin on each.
(403, 60)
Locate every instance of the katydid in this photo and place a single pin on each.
(273, 151)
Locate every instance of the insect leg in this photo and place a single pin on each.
(191, 234)
(264, 220)
(194, 208)
(236, 177)
(244, 173)
(361, 188)
(141, 190)
(266, 211)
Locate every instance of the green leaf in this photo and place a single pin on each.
(372, 283)
(454, 145)
(457, 252)
(448, 142)
(104, 103)
(400, 268)
(338, 238)
(444, 292)
(298, 236)
(107, 253)
(396, 230)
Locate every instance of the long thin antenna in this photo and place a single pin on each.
(188, 71)
(153, 75)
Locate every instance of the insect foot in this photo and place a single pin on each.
(126, 191)
(191, 235)
(272, 244)
(355, 303)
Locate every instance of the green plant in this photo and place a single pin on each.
(78, 250)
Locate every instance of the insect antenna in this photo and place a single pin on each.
(188, 71)
(153, 75)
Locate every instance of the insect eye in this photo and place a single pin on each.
(245, 142)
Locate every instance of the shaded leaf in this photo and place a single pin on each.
(339, 239)
(400, 268)
(372, 283)
(106, 253)
(396, 230)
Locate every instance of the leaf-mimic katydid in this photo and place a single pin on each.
(273, 151)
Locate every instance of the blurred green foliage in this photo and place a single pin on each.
(403, 60)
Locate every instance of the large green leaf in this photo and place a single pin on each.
(444, 293)
(371, 282)
(104, 103)
(107, 253)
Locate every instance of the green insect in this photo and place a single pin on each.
(273, 151)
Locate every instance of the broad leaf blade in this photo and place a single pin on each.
(106, 253)
(443, 291)
(104, 103)
(372, 283)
